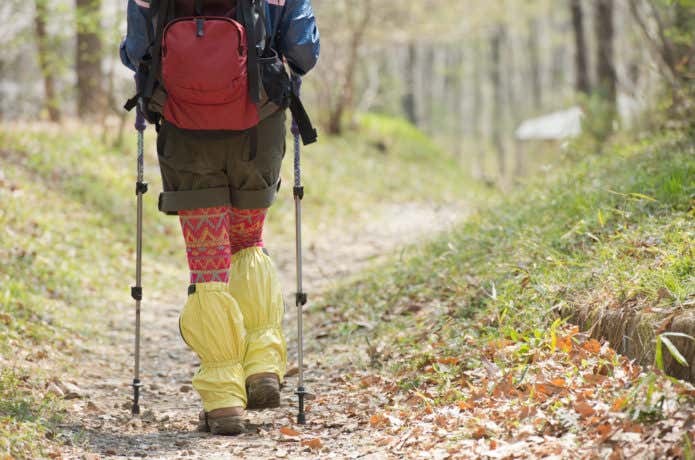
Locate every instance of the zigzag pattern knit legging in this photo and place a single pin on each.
(214, 235)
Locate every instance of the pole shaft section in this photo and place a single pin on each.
(300, 328)
(140, 127)
(136, 291)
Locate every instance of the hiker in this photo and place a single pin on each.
(220, 167)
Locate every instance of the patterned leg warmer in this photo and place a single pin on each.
(211, 322)
(206, 232)
(254, 283)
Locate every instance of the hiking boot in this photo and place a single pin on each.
(263, 392)
(228, 421)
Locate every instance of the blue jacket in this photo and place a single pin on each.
(291, 23)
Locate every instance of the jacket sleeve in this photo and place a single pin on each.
(299, 36)
(136, 41)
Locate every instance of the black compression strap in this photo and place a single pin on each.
(131, 103)
(306, 129)
(198, 7)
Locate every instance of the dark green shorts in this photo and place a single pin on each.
(202, 169)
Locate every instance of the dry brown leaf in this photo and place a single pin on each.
(451, 361)
(583, 408)
(592, 346)
(379, 420)
(630, 427)
(604, 430)
(441, 421)
(370, 380)
(595, 379)
(565, 344)
(287, 431)
(559, 382)
(617, 454)
(548, 389)
(526, 411)
(314, 443)
(587, 394)
(619, 404)
(479, 432)
(464, 405)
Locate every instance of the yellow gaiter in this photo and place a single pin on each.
(213, 326)
(254, 284)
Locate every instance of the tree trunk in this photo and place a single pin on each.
(345, 100)
(408, 100)
(477, 112)
(50, 98)
(606, 76)
(582, 84)
(90, 94)
(534, 52)
(496, 40)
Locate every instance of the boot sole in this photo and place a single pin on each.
(232, 425)
(264, 394)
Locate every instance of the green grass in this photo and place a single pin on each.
(67, 244)
(26, 415)
(613, 229)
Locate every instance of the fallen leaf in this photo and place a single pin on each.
(630, 427)
(479, 432)
(464, 405)
(619, 404)
(378, 420)
(604, 430)
(441, 421)
(287, 431)
(548, 388)
(565, 344)
(592, 346)
(595, 378)
(314, 443)
(559, 382)
(370, 380)
(583, 408)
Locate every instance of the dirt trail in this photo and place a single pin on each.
(338, 417)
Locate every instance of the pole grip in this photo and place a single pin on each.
(296, 88)
(140, 124)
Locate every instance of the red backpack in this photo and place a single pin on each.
(214, 62)
(205, 71)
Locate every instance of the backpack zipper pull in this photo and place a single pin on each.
(199, 27)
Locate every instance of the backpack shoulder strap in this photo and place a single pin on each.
(164, 11)
(246, 11)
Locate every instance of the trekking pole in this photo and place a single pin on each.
(300, 296)
(136, 291)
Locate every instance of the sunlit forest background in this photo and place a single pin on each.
(468, 72)
(499, 239)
